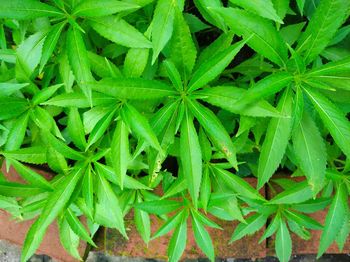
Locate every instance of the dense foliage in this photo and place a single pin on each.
(121, 97)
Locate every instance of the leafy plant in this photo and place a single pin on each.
(118, 98)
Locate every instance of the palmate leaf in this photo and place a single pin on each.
(260, 7)
(27, 9)
(335, 218)
(259, 33)
(31, 155)
(78, 60)
(332, 117)
(104, 215)
(213, 18)
(202, 237)
(119, 31)
(139, 125)
(50, 43)
(120, 152)
(237, 184)
(210, 70)
(215, 130)
(332, 75)
(162, 25)
(132, 88)
(226, 98)
(266, 87)
(143, 223)
(276, 140)
(17, 132)
(191, 156)
(283, 243)
(178, 240)
(311, 152)
(328, 17)
(54, 205)
(183, 50)
(91, 8)
(12, 107)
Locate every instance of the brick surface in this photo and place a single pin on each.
(301, 246)
(111, 242)
(15, 232)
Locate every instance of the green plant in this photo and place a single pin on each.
(104, 92)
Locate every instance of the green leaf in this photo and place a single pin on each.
(79, 100)
(312, 205)
(139, 125)
(132, 88)
(79, 61)
(173, 74)
(143, 223)
(11, 189)
(276, 139)
(159, 207)
(226, 97)
(76, 129)
(50, 43)
(332, 75)
(183, 50)
(210, 70)
(283, 244)
(17, 133)
(119, 31)
(104, 214)
(202, 237)
(12, 107)
(266, 87)
(61, 147)
(136, 61)
(215, 130)
(68, 238)
(191, 157)
(328, 17)
(237, 184)
(120, 151)
(27, 9)
(260, 7)
(205, 190)
(301, 4)
(303, 220)
(78, 227)
(54, 205)
(254, 223)
(311, 152)
(31, 155)
(178, 240)
(333, 118)
(272, 227)
(204, 7)
(88, 186)
(297, 194)
(100, 128)
(30, 175)
(170, 224)
(7, 89)
(110, 175)
(335, 219)
(162, 25)
(259, 33)
(91, 8)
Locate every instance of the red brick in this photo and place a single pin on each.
(111, 242)
(15, 232)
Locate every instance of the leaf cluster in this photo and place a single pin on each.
(123, 99)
